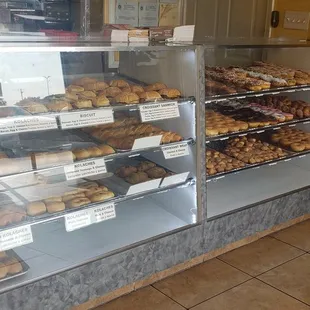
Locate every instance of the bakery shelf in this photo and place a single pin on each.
(107, 158)
(248, 94)
(287, 158)
(35, 220)
(241, 133)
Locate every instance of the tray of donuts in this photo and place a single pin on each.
(11, 265)
(291, 139)
(251, 149)
(85, 194)
(138, 171)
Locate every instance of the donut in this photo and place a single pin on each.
(298, 147)
(78, 202)
(53, 207)
(101, 196)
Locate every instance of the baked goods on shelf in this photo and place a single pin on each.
(127, 98)
(143, 172)
(217, 162)
(292, 139)
(155, 87)
(59, 106)
(51, 159)
(170, 93)
(9, 265)
(96, 151)
(300, 109)
(119, 83)
(32, 105)
(251, 150)
(149, 96)
(217, 123)
(10, 214)
(36, 208)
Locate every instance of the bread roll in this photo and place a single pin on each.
(81, 154)
(78, 202)
(52, 199)
(36, 208)
(106, 149)
(53, 207)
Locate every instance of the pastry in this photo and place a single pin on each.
(83, 104)
(94, 151)
(81, 154)
(137, 177)
(126, 171)
(3, 270)
(53, 207)
(112, 92)
(71, 96)
(36, 208)
(59, 106)
(155, 87)
(52, 199)
(101, 196)
(136, 89)
(106, 149)
(100, 101)
(84, 81)
(96, 190)
(170, 93)
(145, 165)
(69, 197)
(127, 98)
(97, 86)
(88, 185)
(149, 96)
(156, 172)
(74, 89)
(78, 202)
(13, 265)
(87, 94)
(119, 83)
(35, 108)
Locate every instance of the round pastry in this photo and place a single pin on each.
(112, 92)
(119, 83)
(83, 104)
(3, 270)
(52, 199)
(78, 202)
(106, 149)
(298, 147)
(35, 108)
(53, 207)
(88, 185)
(96, 190)
(74, 89)
(67, 198)
(81, 154)
(100, 101)
(36, 208)
(94, 151)
(156, 172)
(155, 86)
(127, 98)
(101, 196)
(87, 94)
(149, 96)
(59, 106)
(13, 265)
(170, 93)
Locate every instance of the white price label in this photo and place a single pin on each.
(158, 111)
(27, 123)
(175, 179)
(14, 237)
(147, 142)
(77, 220)
(86, 118)
(85, 169)
(104, 212)
(174, 151)
(143, 187)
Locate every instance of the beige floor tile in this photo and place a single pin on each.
(252, 295)
(202, 282)
(147, 298)
(292, 278)
(297, 235)
(261, 256)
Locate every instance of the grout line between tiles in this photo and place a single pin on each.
(168, 297)
(284, 292)
(289, 244)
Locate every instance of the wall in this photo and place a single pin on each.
(290, 5)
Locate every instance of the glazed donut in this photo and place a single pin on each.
(78, 202)
(101, 196)
(298, 147)
(53, 207)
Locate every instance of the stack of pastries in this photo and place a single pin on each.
(124, 136)
(9, 265)
(84, 194)
(251, 150)
(143, 172)
(259, 76)
(293, 139)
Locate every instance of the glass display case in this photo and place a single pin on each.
(257, 123)
(94, 158)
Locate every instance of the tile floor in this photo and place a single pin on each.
(271, 273)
